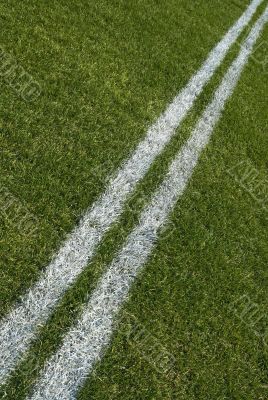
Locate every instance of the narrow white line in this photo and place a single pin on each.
(85, 343)
(19, 327)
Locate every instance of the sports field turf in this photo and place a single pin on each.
(195, 321)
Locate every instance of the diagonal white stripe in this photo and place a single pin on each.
(19, 327)
(84, 344)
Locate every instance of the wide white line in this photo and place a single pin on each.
(19, 328)
(84, 344)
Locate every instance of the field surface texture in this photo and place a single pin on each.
(134, 200)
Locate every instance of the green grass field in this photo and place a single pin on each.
(106, 71)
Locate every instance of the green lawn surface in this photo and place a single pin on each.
(106, 71)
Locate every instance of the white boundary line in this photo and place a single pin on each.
(19, 327)
(85, 343)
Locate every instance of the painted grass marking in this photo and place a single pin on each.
(84, 344)
(20, 326)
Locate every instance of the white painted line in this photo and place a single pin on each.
(85, 343)
(20, 326)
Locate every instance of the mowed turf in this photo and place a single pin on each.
(53, 155)
(216, 254)
(106, 72)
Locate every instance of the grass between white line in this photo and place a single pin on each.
(84, 344)
(19, 327)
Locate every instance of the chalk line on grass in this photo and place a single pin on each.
(20, 326)
(84, 344)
